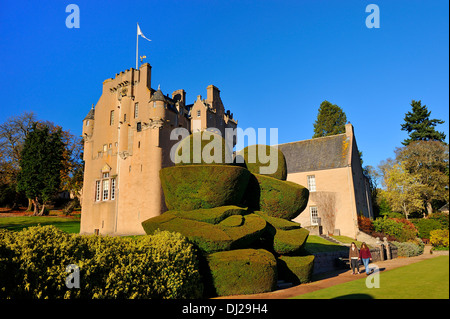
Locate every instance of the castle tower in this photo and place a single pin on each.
(127, 142)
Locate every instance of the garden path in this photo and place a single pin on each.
(338, 277)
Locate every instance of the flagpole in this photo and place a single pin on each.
(137, 46)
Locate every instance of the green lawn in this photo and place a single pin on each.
(316, 244)
(68, 225)
(428, 279)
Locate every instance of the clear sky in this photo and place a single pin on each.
(274, 61)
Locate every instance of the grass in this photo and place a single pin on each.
(428, 279)
(316, 244)
(69, 225)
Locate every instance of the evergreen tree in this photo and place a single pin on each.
(41, 164)
(419, 126)
(331, 120)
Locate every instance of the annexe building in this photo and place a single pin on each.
(330, 167)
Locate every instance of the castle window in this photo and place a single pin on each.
(105, 189)
(125, 117)
(113, 188)
(311, 183)
(111, 118)
(138, 126)
(105, 147)
(105, 175)
(87, 123)
(314, 216)
(97, 191)
(154, 104)
(198, 113)
(136, 110)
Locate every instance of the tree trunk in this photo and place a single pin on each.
(36, 207)
(30, 205)
(429, 209)
(41, 213)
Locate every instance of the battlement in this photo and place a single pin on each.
(129, 78)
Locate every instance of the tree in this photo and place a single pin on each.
(419, 125)
(41, 163)
(331, 120)
(429, 162)
(402, 189)
(12, 136)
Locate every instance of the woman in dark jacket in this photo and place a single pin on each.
(353, 257)
(365, 256)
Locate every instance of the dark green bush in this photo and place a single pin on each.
(164, 265)
(242, 271)
(209, 237)
(282, 199)
(288, 242)
(210, 215)
(425, 225)
(442, 218)
(192, 187)
(202, 148)
(278, 223)
(252, 160)
(297, 270)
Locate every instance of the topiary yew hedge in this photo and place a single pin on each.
(296, 269)
(242, 271)
(209, 237)
(282, 199)
(203, 186)
(250, 156)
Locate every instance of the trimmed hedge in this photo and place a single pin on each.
(297, 270)
(208, 237)
(203, 147)
(242, 271)
(289, 242)
(251, 158)
(33, 265)
(278, 223)
(210, 215)
(203, 186)
(282, 199)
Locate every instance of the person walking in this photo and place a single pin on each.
(365, 256)
(353, 256)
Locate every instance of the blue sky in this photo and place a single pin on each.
(274, 61)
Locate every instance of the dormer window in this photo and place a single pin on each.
(198, 113)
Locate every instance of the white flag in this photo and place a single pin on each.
(139, 32)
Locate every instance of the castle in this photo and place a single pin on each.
(126, 143)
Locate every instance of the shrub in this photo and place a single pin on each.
(288, 242)
(190, 187)
(400, 228)
(282, 199)
(199, 149)
(243, 271)
(208, 237)
(210, 215)
(439, 238)
(279, 223)
(365, 224)
(442, 218)
(425, 226)
(408, 249)
(254, 164)
(297, 270)
(164, 265)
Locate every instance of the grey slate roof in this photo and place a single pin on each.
(316, 154)
(90, 115)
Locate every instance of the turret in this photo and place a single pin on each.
(158, 105)
(88, 124)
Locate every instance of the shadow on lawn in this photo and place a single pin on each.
(355, 296)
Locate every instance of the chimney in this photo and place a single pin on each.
(213, 94)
